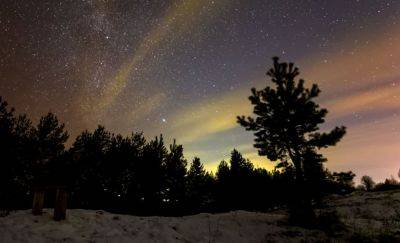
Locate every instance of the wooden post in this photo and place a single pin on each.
(60, 206)
(38, 200)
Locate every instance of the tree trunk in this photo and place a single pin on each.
(38, 201)
(60, 207)
(300, 208)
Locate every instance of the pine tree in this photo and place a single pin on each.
(151, 175)
(223, 171)
(175, 172)
(287, 122)
(89, 154)
(49, 138)
(239, 166)
(7, 152)
(223, 187)
(199, 185)
(240, 178)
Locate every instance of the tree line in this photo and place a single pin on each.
(130, 174)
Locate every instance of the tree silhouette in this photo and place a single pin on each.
(127, 174)
(175, 172)
(287, 121)
(151, 175)
(88, 154)
(223, 189)
(240, 178)
(49, 138)
(367, 182)
(8, 153)
(121, 169)
(199, 187)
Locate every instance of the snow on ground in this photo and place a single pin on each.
(100, 226)
(358, 211)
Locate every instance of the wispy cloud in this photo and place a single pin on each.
(209, 117)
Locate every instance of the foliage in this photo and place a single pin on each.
(389, 184)
(287, 120)
(286, 127)
(367, 182)
(340, 182)
(132, 175)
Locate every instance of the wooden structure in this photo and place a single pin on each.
(38, 201)
(60, 203)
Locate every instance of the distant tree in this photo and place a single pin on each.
(7, 153)
(49, 138)
(223, 186)
(240, 179)
(175, 172)
(343, 181)
(367, 182)
(25, 150)
(196, 170)
(288, 120)
(199, 187)
(389, 184)
(151, 175)
(89, 154)
(223, 171)
(239, 166)
(121, 160)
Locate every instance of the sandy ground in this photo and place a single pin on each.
(362, 213)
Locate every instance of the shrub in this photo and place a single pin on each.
(368, 183)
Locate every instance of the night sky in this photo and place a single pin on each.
(185, 69)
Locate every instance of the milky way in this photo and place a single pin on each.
(185, 69)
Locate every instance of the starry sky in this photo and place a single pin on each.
(184, 68)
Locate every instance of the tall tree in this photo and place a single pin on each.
(239, 166)
(151, 175)
(199, 186)
(240, 178)
(49, 137)
(175, 172)
(287, 121)
(120, 169)
(88, 167)
(7, 151)
(223, 186)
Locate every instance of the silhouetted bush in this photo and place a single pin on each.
(339, 182)
(367, 182)
(388, 184)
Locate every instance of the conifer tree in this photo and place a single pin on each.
(151, 174)
(287, 121)
(175, 172)
(199, 185)
(49, 137)
(239, 166)
(88, 154)
(240, 179)
(7, 151)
